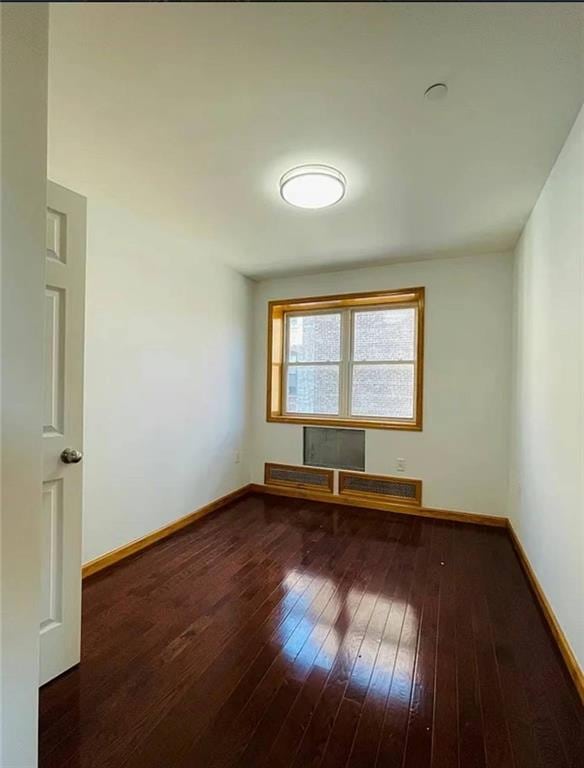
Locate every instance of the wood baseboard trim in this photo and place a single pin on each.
(113, 557)
(564, 647)
(366, 503)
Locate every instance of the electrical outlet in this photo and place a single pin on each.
(237, 457)
(400, 465)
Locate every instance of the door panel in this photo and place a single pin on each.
(60, 621)
(55, 324)
(52, 554)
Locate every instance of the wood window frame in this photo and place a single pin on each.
(277, 312)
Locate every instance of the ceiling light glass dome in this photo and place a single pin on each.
(313, 186)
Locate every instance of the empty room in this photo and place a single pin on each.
(292, 384)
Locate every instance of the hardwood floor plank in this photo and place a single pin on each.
(249, 647)
(289, 735)
(161, 634)
(445, 717)
(517, 705)
(367, 737)
(497, 739)
(280, 632)
(260, 743)
(397, 705)
(315, 740)
(555, 734)
(142, 667)
(470, 715)
(339, 745)
(291, 732)
(418, 747)
(119, 586)
(282, 673)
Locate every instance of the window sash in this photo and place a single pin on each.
(288, 365)
(370, 417)
(347, 363)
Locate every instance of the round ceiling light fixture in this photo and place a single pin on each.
(313, 186)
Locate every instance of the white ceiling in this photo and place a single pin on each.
(191, 113)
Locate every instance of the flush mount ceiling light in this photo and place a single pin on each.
(313, 186)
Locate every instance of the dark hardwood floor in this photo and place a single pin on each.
(286, 633)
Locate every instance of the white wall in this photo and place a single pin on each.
(166, 377)
(23, 189)
(547, 477)
(461, 454)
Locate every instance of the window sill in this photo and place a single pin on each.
(410, 426)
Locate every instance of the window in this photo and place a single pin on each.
(347, 360)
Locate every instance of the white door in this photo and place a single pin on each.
(60, 624)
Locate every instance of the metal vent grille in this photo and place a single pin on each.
(311, 478)
(398, 489)
(334, 448)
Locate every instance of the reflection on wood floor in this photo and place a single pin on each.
(282, 632)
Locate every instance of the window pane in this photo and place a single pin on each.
(314, 338)
(313, 389)
(384, 334)
(383, 391)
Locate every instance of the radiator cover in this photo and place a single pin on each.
(399, 490)
(307, 478)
